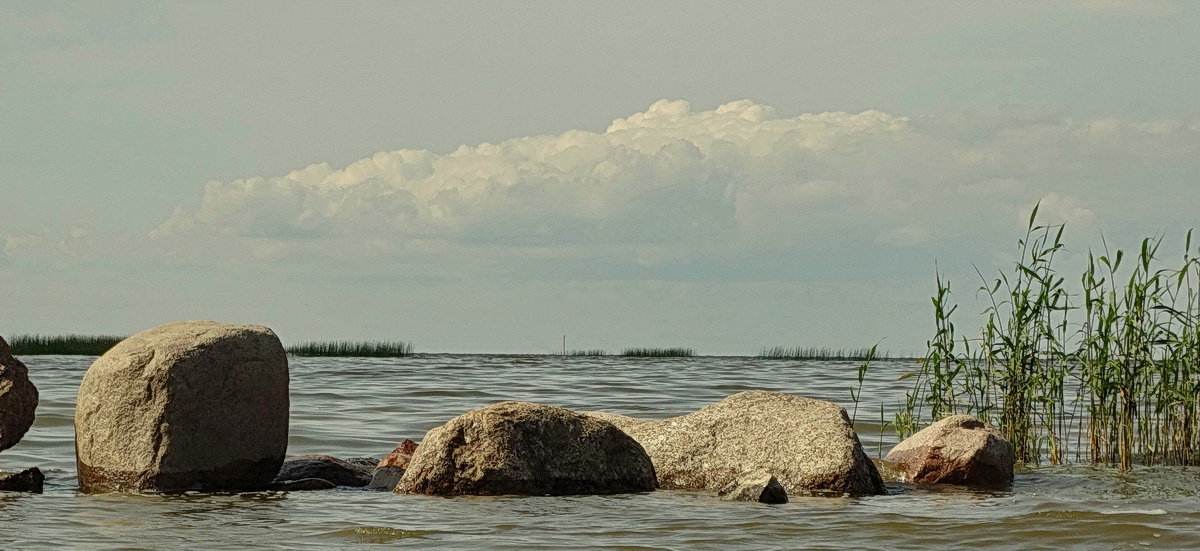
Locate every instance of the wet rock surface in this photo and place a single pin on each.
(339, 472)
(29, 480)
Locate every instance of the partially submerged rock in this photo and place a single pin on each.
(326, 467)
(959, 449)
(759, 486)
(193, 405)
(809, 445)
(529, 449)
(28, 480)
(391, 469)
(18, 398)
(303, 485)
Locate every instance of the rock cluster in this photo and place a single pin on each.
(18, 398)
(391, 469)
(529, 449)
(959, 449)
(194, 405)
(808, 445)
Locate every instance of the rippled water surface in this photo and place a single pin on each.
(363, 407)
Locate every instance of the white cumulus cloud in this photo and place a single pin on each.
(676, 185)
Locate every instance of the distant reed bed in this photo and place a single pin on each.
(356, 349)
(1105, 369)
(588, 352)
(822, 353)
(659, 352)
(67, 345)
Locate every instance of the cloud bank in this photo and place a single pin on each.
(676, 186)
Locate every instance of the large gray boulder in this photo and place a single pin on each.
(959, 449)
(18, 398)
(528, 449)
(809, 445)
(193, 405)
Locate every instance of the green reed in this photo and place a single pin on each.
(588, 352)
(821, 353)
(358, 349)
(70, 345)
(1114, 363)
(659, 352)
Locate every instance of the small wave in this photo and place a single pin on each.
(1135, 512)
(378, 534)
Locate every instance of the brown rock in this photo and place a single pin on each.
(400, 456)
(28, 480)
(757, 486)
(18, 398)
(529, 449)
(338, 471)
(808, 444)
(959, 449)
(194, 405)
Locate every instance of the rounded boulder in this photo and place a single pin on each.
(959, 449)
(194, 405)
(527, 449)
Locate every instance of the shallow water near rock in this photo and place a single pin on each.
(351, 407)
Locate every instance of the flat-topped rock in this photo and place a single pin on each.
(18, 398)
(528, 449)
(194, 405)
(808, 445)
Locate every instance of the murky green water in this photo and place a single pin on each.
(362, 407)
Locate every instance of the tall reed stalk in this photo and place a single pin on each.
(1115, 363)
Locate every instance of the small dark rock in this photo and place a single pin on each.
(759, 486)
(368, 463)
(303, 485)
(337, 471)
(28, 480)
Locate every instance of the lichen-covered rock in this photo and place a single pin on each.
(809, 445)
(759, 486)
(528, 449)
(28, 480)
(18, 398)
(338, 471)
(959, 449)
(194, 405)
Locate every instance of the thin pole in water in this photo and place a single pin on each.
(564, 352)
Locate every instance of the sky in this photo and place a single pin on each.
(492, 176)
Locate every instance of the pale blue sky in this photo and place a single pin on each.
(811, 162)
